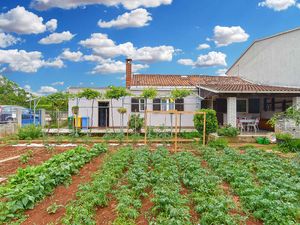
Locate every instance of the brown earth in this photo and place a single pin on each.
(106, 215)
(39, 155)
(145, 210)
(62, 195)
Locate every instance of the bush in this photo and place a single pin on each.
(228, 131)
(283, 137)
(30, 132)
(136, 123)
(211, 121)
(218, 144)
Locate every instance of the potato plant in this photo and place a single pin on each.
(95, 194)
(28, 186)
(170, 207)
(129, 194)
(210, 201)
(268, 188)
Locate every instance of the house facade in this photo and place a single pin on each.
(263, 81)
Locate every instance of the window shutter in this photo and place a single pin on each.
(254, 105)
(156, 104)
(179, 104)
(134, 105)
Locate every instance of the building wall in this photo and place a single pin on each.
(85, 109)
(274, 61)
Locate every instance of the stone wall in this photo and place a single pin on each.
(8, 129)
(288, 126)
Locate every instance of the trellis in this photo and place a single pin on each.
(176, 113)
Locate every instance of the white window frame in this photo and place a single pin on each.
(142, 102)
(243, 99)
(165, 102)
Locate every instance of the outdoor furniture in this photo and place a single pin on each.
(253, 125)
(246, 122)
(240, 125)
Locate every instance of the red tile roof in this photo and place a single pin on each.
(217, 84)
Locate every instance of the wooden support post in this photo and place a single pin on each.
(128, 128)
(204, 128)
(145, 127)
(176, 130)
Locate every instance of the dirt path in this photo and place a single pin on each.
(39, 155)
(194, 215)
(106, 215)
(62, 195)
(145, 209)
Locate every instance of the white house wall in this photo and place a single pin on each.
(273, 61)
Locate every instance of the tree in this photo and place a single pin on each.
(148, 93)
(180, 94)
(12, 94)
(115, 93)
(90, 94)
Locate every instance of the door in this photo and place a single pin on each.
(103, 114)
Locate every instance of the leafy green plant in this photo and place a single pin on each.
(189, 135)
(52, 209)
(228, 131)
(284, 137)
(292, 113)
(211, 121)
(136, 123)
(95, 193)
(218, 144)
(26, 157)
(33, 183)
(30, 132)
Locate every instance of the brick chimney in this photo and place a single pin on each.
(128, 72)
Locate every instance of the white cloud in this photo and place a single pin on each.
(71, 56)
(113, 67)
(277, 5)
(58, 83)
(224, 36)
(135, 18)
(210, 60)
(69, 4)
(203, 46)
(47, 90)
(298, 5)
(57, 38)
(221, 72)
(21, 21)
(7, 40)
(28, 62)
(107, 48)
(51, 25)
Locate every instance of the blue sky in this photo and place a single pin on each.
(88, 44)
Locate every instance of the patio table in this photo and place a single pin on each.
(244, 122)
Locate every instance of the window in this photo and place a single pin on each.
(156, 104)
(241, 105)
(135, 105)
(254, 105)
(142, 104)
(179, 104)
(164, 105)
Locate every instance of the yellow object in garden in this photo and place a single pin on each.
(78, 121)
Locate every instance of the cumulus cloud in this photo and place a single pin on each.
(203, 46)
(107, 48)
(71, 56)
(28, 62)
(51, 25)
(57, 38)
(209, 60)
(21, 21)
(221, 72)
(224, 36)
(135, 18)
(47, 90)
(113, 67)
(70, 4)
(58, 83)
(277, 5)
(7, 40)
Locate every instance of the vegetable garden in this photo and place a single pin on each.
(143, 185)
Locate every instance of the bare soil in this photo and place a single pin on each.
(62, 195)
(39, 155)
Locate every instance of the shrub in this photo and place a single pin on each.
(281, 137)
(218, 144)
(30, 132)
(211, 121)
(286, 143)
(136, 123)
(228, 131)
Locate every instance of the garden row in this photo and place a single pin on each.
(268, 186)
(28, 186)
